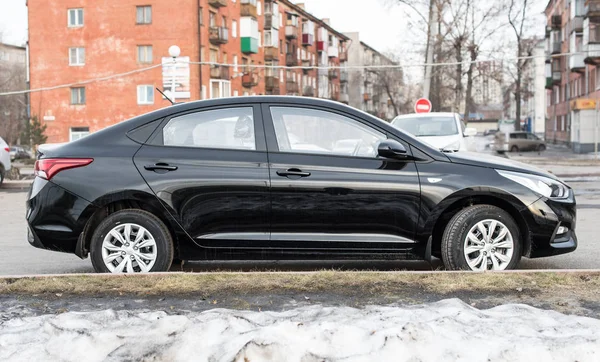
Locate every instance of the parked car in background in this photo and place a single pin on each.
(444, 131)
(4, 160)
(490, 132)
(518, 142)
(275, 177)
(18, 153)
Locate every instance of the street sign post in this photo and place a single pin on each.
(423, 105)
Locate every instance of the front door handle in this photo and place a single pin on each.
(160, 167)
(293, 172)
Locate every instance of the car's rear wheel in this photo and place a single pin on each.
(541, 148)
(481, 237)
(514, 149)
(131, 241)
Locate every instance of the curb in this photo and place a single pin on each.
(16, 185)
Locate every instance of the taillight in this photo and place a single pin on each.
(48, 167)
(6, 149)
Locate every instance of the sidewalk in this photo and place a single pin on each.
(16, 185)
(561, 161)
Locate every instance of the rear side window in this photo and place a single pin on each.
(224, 128)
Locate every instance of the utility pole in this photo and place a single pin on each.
(432, 34)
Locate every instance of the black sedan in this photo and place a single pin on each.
(287, 178)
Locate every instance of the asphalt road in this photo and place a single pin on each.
(17, 257)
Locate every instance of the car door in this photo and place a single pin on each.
(532, 141)
(329, 188)
(209, 167)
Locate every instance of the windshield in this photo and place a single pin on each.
(427, 126)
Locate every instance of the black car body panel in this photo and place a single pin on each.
(232, 204)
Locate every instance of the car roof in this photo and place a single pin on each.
(425, 115)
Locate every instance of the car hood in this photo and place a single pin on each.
(496, 162)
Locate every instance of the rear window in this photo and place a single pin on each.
(427, 126)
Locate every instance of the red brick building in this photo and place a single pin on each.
(72, 41)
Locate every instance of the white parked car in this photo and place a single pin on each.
(445, 131)
(4, 159)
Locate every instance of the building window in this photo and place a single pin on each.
(235, 63)
(200, 16)
(258, 8)
(220, 88)
(212, 19)
(144, 53)
(234, 29)
(144, 14)
(78, 95)
(75, 18)
(224, 22)
(145, 94)
(259, 38)
(76, 133)
(76, 56)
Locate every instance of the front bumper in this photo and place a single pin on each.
(551, 227)
(55, 217)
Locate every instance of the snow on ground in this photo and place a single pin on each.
(449, 330)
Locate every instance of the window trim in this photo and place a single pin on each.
(273, 145)
(156, 139)
(69, 18)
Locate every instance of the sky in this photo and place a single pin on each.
(13, 21)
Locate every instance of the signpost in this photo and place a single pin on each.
(423, 105)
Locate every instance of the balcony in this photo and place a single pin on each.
(592, 48)
(577, 24)
(248, 8)
(322, 46)
(219, 72)
(556, 21)
(249, 45)
(334, 96)
(271, 53)
(592, 8)
(271, 21)
(249, 80)
(218, 35)
(308, 91)
(291, 60)
(344, 98)
(271, 82)
(217, 3)
(576, 63)
(291, 32)
(308, 39)
(376, 98)
(333, 52)
(343, 76)
(274, 92)
(333, 74)
(291, 87)
(548, 83)
(555, 47)
(556, 77)
(343, 57)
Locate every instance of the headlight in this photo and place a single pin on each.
(539, 184)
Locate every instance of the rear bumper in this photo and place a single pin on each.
(55, 217)
(551, 227)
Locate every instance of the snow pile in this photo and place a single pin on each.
(449, 330)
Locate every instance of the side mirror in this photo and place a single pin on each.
(391, 149)
(470, 132)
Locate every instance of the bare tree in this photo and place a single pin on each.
(518, 11)
(13, 107)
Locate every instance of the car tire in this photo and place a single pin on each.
(514, 149)
(465, 224)
(541, 148)
(157, 254)
(2, 175)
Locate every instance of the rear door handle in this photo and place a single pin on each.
(160, 167)
(293, 172)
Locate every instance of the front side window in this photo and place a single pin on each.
(75, 18)
(301, 130)
(427, 126)
(145, 94)
(78, 95)
(76, 56)
(224, 128)
(143, 14)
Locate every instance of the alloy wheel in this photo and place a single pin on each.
(129, 248)
(489, 245)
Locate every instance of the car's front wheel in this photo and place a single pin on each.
(131, 241)
(481, 237)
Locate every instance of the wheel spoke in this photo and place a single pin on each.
(472, 238)
(484, 263)
(142, 265)
(129, 265)
(127, 233)
(491, 230)
(115, 234)
(474, 262)
(473, 248)
(496, 265)
(146, 243)
(504, 245)
(111, 247)
(501, 234)
(121, 266)
(482, 230)
(111, 257)
(503, 258)
(140, 235)
(146, 256)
